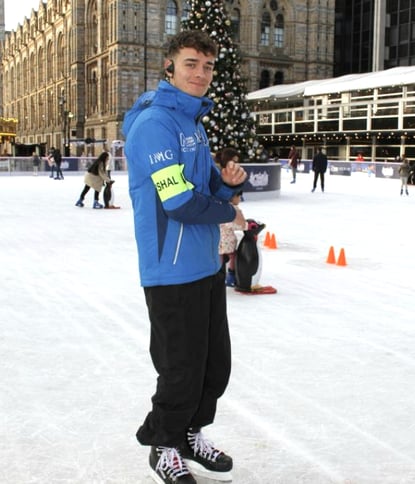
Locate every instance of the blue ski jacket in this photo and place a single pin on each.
(177, 193)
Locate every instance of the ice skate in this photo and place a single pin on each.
(203, 459)
(230, 278)
(167, 466)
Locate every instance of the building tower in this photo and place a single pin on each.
(2, 21)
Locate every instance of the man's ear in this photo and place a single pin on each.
(169, 68)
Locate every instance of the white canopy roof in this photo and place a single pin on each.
(350, 82)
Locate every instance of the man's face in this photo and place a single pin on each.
(193, 71)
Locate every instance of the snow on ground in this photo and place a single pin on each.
(322, 389)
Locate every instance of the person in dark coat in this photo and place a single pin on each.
(319, 167)
(58, 160)
(293, 160)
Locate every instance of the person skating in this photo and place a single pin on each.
(51, 162)
(404, 170)
(293, 160)
(95, 178)
(319, 167)
(57, 156)
(35, 163)
(179, 199)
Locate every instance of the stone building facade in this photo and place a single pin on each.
(71, 70)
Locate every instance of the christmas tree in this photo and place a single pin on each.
(229, 124)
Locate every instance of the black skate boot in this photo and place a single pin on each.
(203, 459)
(168, 467)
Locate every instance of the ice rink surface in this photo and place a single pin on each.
(323, 382)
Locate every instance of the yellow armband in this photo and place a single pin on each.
(170, 182)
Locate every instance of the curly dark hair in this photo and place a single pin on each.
(222, 157)
(196, 39)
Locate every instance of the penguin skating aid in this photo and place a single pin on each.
(248, 264)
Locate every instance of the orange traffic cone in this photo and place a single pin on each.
(272, 242)
(331, 259)
(341, 261)
(267, 240)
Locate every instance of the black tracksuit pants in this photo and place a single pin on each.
(191, 352)
(318, 174)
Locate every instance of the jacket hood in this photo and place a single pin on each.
(169, 97)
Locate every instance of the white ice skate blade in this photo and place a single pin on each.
(198, 470)
(156, 477)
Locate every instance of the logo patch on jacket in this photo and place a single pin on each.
(187, 143)
(160, 156)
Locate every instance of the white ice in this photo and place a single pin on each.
(323, 379)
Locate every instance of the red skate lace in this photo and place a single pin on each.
(170, 463)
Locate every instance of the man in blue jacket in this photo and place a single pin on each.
(179, 199)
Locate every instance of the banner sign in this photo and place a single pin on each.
(340, 168)
(387, 170)
(262, 177)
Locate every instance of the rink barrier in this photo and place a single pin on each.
(378, 169)
(22, 165)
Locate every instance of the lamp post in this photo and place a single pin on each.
(66, 117)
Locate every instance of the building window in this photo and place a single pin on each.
(265, 28)
(278, 78)
(272, 25)
(279, 32)
(235, 24)
(186, 8)
(171, 20)
(264, 82)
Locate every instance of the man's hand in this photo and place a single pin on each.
(233, 174)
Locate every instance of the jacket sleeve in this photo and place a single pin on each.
(219, 188)
(160, 163)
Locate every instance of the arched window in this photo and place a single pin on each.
(41, 66)
(272, 25)
(49, 62)
(26, 74)
(278, 78)
(264, 82)
(186, 8)
(236, 24)
(60, 57)
(92, 28)
(265, 28)
(279, 31)
(274, 5)
(171, 20)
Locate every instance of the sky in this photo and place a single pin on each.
(322, 389)
(16, 11)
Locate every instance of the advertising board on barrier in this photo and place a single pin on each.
(387, 170)
(304, 166)
(262, 177)
(340, 168)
